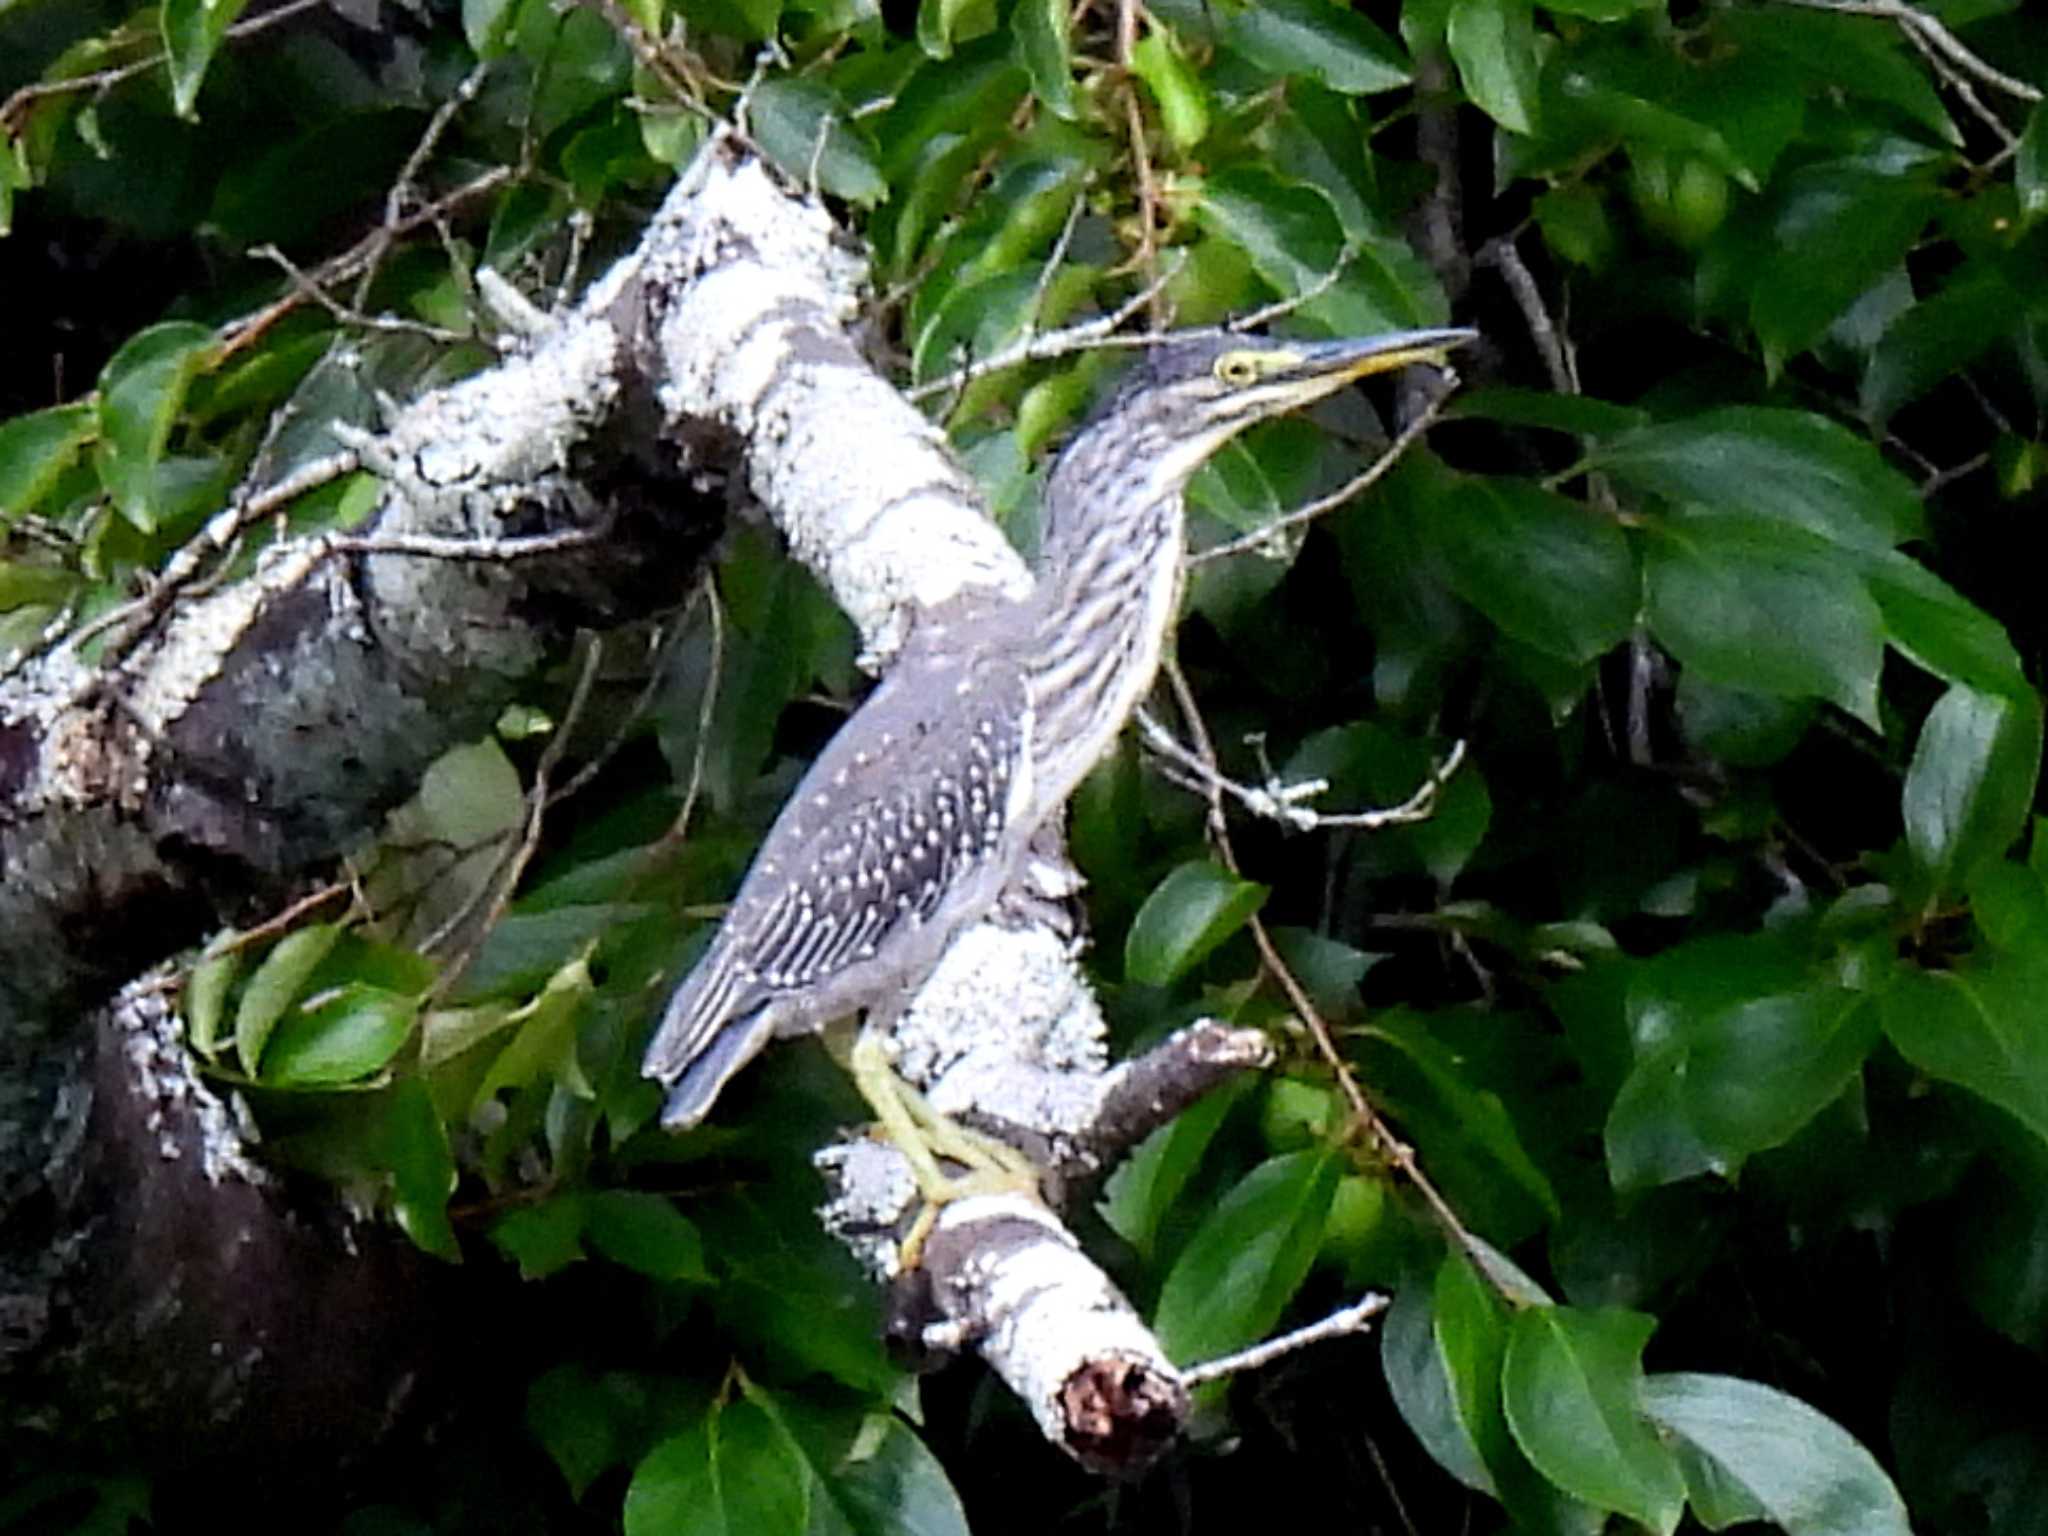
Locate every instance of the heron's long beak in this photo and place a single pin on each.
(1355, 357)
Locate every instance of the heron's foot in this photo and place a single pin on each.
(924, 1136)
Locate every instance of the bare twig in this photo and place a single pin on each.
(1397, 1153)
(1345, 1320)
(347, 314)
(17, 105)
(1277, 800)
(1502, 255)
(1937, 36)
(1090, 335)
(1264, 538)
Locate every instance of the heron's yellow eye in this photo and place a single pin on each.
(1237, 369)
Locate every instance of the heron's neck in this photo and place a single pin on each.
(1108, 590)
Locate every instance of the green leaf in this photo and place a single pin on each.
(644, 1232)
(892, 1485)
(1938, 337)
(871, 1476)
(1759, 605)
(422, 1168)
(1790, 466)
(1555, 574)
(353, 1032)
(1971, 783)
(2030, 166)
(1981, 1029)
(1494, 44)
(580, 1421)
(1810, 1476)
(487, 25)
(36, 449)
(1464, 1128)
(276, 986)
(1330, 43)
(1148, 1183)
(1417, 1379)
(1580, 415)
(1726, 1065)
(1295, 240)
(206, 998)
(192, 30)
(1046, 52)
(1942, 630)
(805, 129)
(1182, 98)
(1191, 911)
(1572, 1386)
(1839, 227)
(141, 391)
(735, 1473)
(542, 1239)
(1248, 1258)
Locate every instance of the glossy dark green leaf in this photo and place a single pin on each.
(1420, 1385)
(644, 1232)
(1581, 415)
(1874, 63)
(276, 985)
(1493, 43)
(353, 1032)
(542, 1239)
(1248, 1258)
(1187, 915)
(1971, 782)
(204, 1004)
(1791, 466)
(1937, 338)
(1148, 1182)
(580, 1422)
(1981, 1029)
(1940, 629)
(1761, 605)
(1839, 227)
(422, 1168)
(1809, 1475)
(36, 449)
(141, 391)
(1046, 52)
(1332, 44)
(1716, 1081)
(735, 1473)
(873, 1477)
(1463, 1126)
(1295, 240)
(1555, 574)
(805, 129)
(1572, 1387)
(192, 30)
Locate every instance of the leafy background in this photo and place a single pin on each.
(1709, 995)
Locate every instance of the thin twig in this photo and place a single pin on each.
(1263, 538)
(1345, 1320)
(1397, 1153)
(1098, 334)
(105, 79)
(1936, 34)
(1277, 800)
(347, 314)
(1502, 255)
(502, 882)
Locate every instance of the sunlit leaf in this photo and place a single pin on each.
(1191, 911)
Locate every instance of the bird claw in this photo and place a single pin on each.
(923, 1135)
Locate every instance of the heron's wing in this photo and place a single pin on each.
(896, 818)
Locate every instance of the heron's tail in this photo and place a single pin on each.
(709, 1031)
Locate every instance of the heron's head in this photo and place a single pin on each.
(1189, 396)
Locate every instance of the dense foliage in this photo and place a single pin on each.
(1708, 996)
